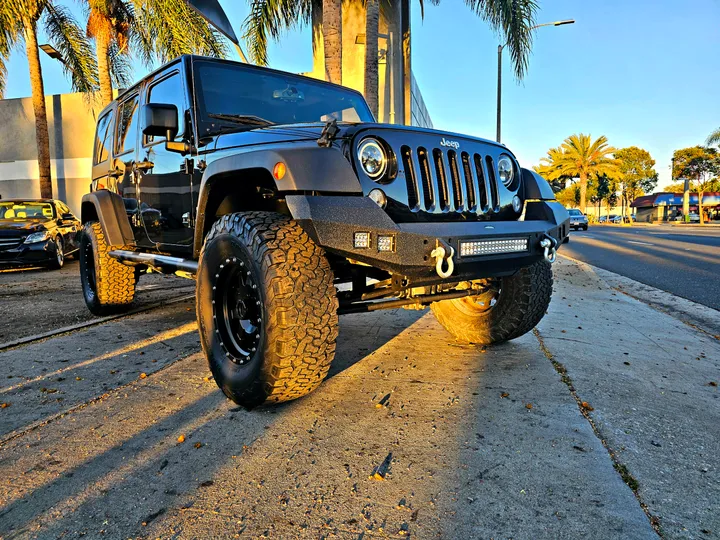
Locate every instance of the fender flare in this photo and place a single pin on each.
(308, 167)
(109, 209)
(536, 187)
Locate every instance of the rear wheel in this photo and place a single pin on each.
(267, 308)
(108, 285)
(508, 308)
(58, 260)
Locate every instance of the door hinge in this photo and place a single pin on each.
(189, 165)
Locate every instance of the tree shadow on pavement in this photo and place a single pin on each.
(116, 466)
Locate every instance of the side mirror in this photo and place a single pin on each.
(159, 120)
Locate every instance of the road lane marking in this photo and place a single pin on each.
(640, 243)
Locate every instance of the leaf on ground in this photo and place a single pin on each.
(504, 395)
(381, 471)
(181, 439)
(143, 375)
(198, 445)
(528, 405)
(712, 383)
(383, 402)
(585, 405)
(4, 405)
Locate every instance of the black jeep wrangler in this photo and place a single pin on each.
(290, 206)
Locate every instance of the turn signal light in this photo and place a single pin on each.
(279, 170)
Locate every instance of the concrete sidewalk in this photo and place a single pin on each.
(470, 443)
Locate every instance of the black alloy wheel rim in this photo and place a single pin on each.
(237, 311)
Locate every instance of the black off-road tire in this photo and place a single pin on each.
(58, 258)
(108, 285)
(266, 307)
(522, 302)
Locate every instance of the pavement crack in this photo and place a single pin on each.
(620, 467)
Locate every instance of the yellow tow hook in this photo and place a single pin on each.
(439, 254)
(549, 244)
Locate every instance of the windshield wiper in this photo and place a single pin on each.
(242, 119)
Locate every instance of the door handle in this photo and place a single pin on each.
(115, 173)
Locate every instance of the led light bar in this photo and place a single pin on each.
(473, 248)
(361, 240)
(385, 243)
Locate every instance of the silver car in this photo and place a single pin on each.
(578, 220)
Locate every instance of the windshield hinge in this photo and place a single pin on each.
(328, 134)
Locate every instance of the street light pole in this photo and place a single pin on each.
(499, 77)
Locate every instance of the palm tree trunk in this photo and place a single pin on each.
(332, 38)
(583, 191)
(106, 91)
(372, 18)
(42, 136)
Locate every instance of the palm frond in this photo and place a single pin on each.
(168, 29)
(713, 138)
(66, 36)
(268, 19)
(120, 66)
(9, 35)
(513, 20)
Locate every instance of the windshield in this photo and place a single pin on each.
(26, 210)
(241, 95)
(575, 212)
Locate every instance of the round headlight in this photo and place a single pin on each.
(505, 170)
(372, 158)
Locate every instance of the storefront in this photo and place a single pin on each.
(668, 206)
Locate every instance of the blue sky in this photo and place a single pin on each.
(643, 73)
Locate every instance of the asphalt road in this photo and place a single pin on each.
(684, 261)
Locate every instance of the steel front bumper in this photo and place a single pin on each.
(333, 221)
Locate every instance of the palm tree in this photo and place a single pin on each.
(156, 29)
(580, 157)
(714, 138)
(372, 18)
(332, 39)
(19, 21)
(513, 19)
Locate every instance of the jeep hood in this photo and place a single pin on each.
(307, 132)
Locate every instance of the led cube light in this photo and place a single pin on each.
(386, 243)
(473, 248)
(361, 240)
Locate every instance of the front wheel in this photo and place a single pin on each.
(58, 260)
(508, 308)
(266, 307)
(108, 285)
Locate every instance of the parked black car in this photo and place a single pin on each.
(270, 189)
(37, 232)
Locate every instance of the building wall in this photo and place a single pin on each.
(71, 122)
(393, 85)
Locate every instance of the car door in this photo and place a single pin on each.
(122, 171)
(165, 191)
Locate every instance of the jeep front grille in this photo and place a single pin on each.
(449, 182)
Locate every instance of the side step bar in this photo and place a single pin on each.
(164, 263)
